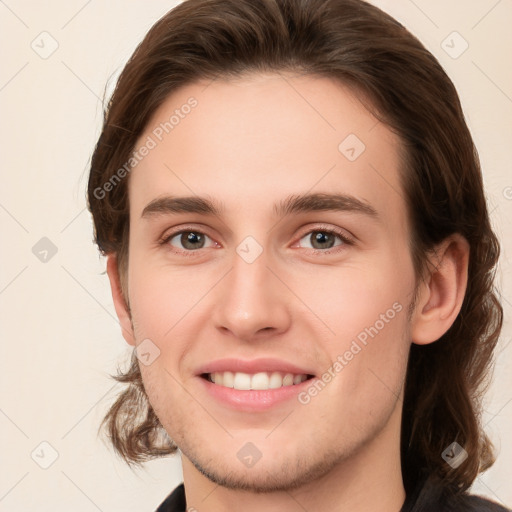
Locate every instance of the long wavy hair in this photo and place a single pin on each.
(403, 85)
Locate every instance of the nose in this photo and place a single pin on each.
(252, 303)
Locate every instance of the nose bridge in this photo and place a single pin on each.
(251, 299)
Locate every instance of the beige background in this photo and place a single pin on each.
(60, 338)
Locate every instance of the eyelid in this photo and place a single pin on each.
(347, 239)
(169, 235)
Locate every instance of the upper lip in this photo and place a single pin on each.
(252, 366)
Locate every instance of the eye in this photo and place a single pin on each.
(190, 240)
(324, 239)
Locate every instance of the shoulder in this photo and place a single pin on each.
(435, 497)
(472, 503)
(430, 497)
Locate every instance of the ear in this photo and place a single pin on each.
(441, 294)
(122, 311)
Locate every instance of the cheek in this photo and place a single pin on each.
(169, 307)
(163, 299)
(365, 310)
(351, 298)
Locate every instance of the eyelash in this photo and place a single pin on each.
(346, 241)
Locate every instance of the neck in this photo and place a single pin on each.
(369, 479)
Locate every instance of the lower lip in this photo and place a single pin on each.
(253, 400)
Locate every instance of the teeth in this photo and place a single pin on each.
(297, 379)
(260, 381)
(288, 380)
(275, 381)
(242, 381)
(228, 379)
(218, 378)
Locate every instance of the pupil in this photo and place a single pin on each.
(190, 240)
(323, 239)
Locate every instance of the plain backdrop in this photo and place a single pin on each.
(59, 336)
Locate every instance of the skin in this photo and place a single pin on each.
(248, 144)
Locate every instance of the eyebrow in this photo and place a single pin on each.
(293, 204)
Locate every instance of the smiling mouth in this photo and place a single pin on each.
(257, 381)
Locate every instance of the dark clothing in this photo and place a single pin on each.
(430, 495)
(426, 497)
(175, 502)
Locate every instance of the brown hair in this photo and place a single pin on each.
(361, 46)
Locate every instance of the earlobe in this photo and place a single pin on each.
(442, 293)
(122, 311)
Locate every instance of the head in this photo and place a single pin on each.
(254, 105)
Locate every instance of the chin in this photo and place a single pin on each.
(262, 478)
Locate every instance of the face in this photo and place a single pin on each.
(285, 277)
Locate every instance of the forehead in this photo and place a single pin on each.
(249, 142)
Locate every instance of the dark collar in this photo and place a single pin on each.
(428, 496)
(175, 502)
